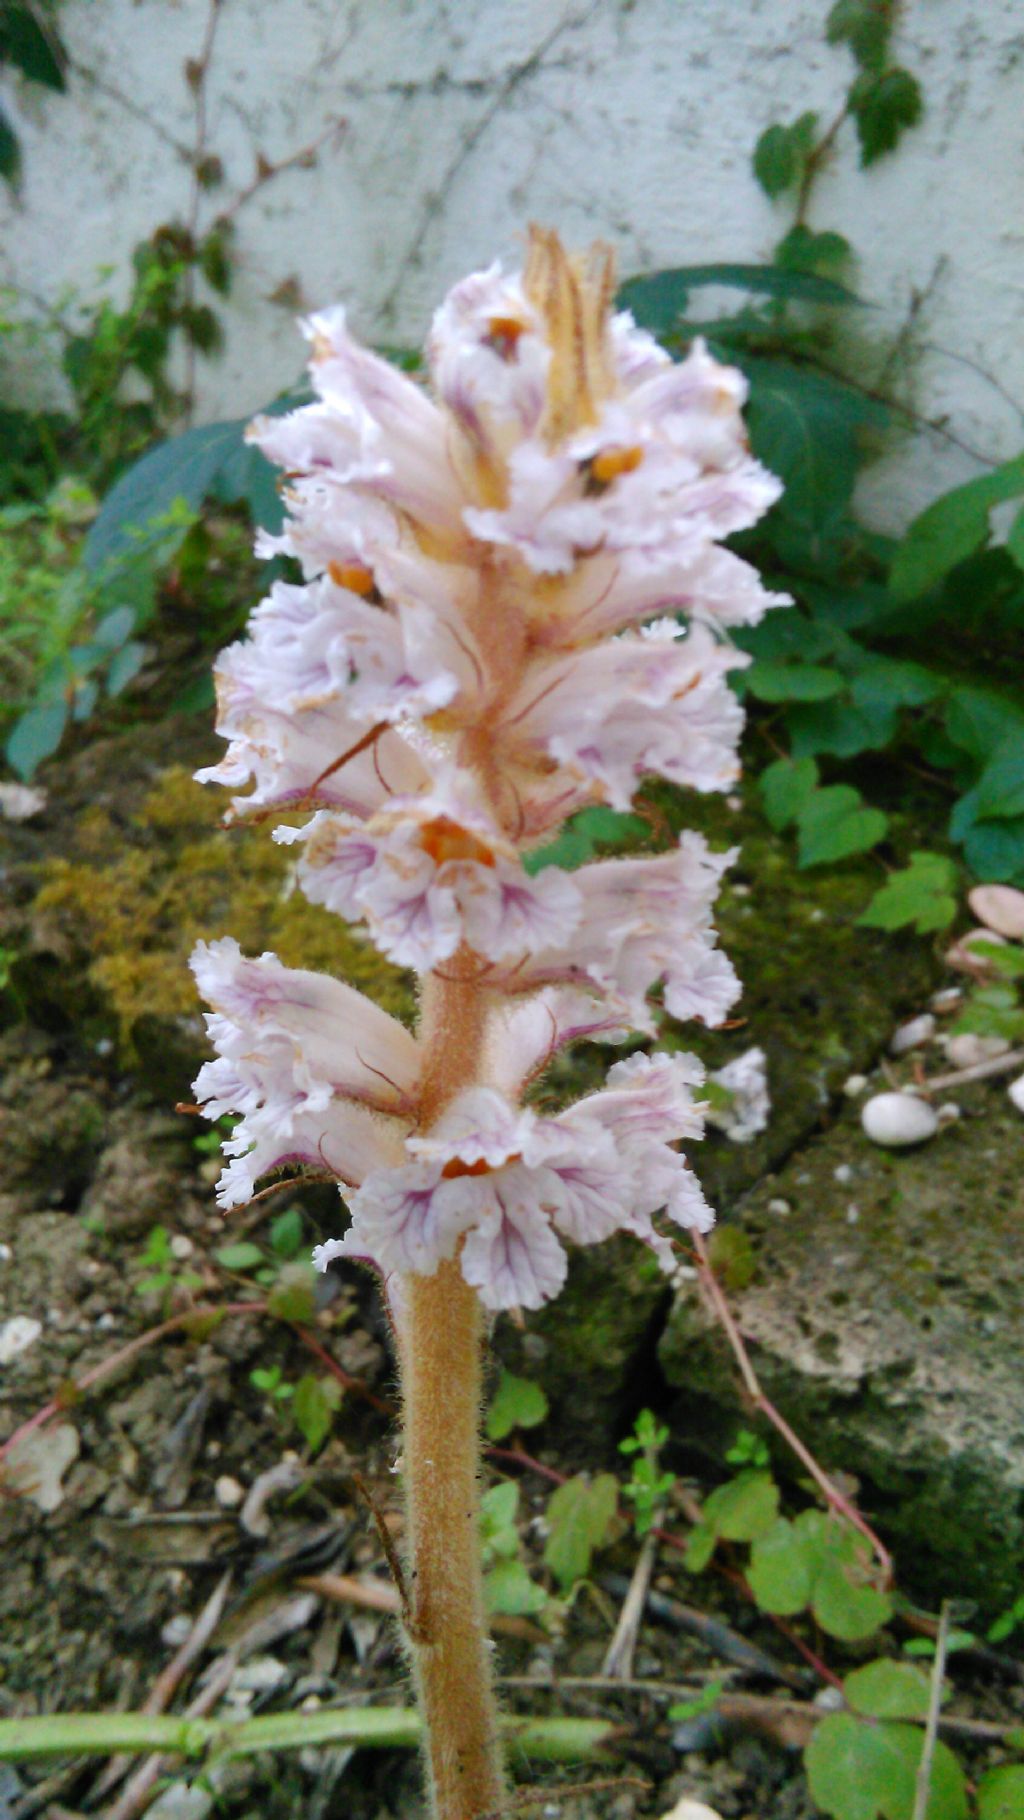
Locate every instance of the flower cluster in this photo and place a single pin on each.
(515, 606)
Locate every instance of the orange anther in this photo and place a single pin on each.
(444, 839)
(354, 576)
(503, 334)
(610, 463)
(453, 1170)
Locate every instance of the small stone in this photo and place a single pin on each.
(6, 1254)
(689, 1809)
(999, 907)
(948, 1113)
(852, 1214)
(260, 1675)
(913, 1034)
(181, 1246)
(967, 1049)
(898, 1120)
(175, 1631)
(829, 1699)
(779, 1206)
(843, 1173)
(1016, 1092)
(228, 1492)
(18, 802)
(854, 1085)
(35, 1466)
(17, 1335)
(946, 1000)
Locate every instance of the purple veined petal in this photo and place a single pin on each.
(481, 1126)
(489, 361)
(511, 1255)
(407, 1218)
(507, 912)
(336, 1034)
(524, 1035)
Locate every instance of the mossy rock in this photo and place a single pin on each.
(141, 882)
(885, 1319)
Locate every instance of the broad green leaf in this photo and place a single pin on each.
(124, 666)
(744, 1508)
(700, 1547)
(660, 300)
(241, 1256)
(834, 823)
(888, 1690)
(951, 529)
(516, 1404)
(498, 1508)
(921, 895)
(211, 461)
(884, 103)
(785, 787)
(508, 1589)
(114, 628)
(773, 681)
(857, 1770)
(29, 40)
(579, 1517)
(809, 429)
(582, 834)
(781, 1570)
(980, 720)
(891, 682)
(314, 1404)
(35, 736)
(1001, 1793)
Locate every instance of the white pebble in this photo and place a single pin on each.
(967, 1049)
(259, 1676)
(176, 1630)
(228, 1492)
(961, 954)
(17, 1335)
(948, 1113)
(999, 907)
(689, 1809)
(181, 1246)
(947, 999)
(1016, 1092)
(912, 1034)
(898, 1120)
(779, 1206)
(843, 1173)
(852, 1214)
(855, 1085)
(6, 1254)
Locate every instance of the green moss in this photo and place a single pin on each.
(135, 901)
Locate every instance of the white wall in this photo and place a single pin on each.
(630, 119)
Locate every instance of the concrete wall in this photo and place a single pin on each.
(630, 119)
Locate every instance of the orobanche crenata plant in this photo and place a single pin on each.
(515, 607)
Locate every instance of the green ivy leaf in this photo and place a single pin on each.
(884, 104)
(834, 824)
(809, 428)
(922, 894)
(581, 836)
(1000, 788)
(579, 1516)
(516, 1404)
(781, 1570)
(660, 300)
(865, 25)
(857, 1771)
(951, 529)
(1001, 1793)
(498, 1508)
(785, 788)
(802, 250)
(773, 681)
(843, 1601)
(508, 1589)
(888, 1690)
(700, 1546)
(839, 729)
(995, 850)
(314, 1404)
(781, 153)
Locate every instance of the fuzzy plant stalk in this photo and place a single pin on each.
(515, 607)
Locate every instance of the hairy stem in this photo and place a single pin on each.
(441, 1346)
